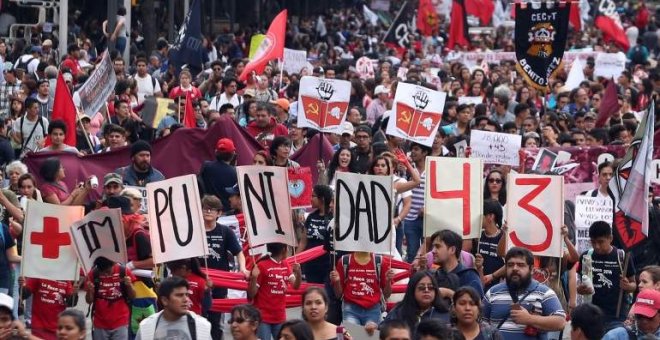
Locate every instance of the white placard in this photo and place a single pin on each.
(363, 213)
(266, 204)
(365, 68)
(609, 65)
(535, 212)
(176, 224)
(460, 148)
(575, 76)
(416, 113)
(322, 104)
(48, 251)
(294, 60)
(495, 147)
(587, 211)
(453, 196)
(474, 100)
(100, 85)
(100, 233)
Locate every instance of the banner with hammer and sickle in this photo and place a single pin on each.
(322, 104)
(417, 113)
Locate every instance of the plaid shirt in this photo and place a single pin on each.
(6, 91)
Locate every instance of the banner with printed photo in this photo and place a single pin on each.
(416, 113)
(300, 187)
(99, 86)
(453, 196)
(363, 213)
(495, 147)
(587, 211)
(322, 103)
(100, 233)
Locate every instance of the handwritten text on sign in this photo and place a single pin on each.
(587, 211)
(175, 219)
(363, 213)
(266, 204)
(100, 233)
(535, 211)
(454, 196)
(495, 148)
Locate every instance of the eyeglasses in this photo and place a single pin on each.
(209, 210)
(237, 320)
(495, 180)
(423, 288)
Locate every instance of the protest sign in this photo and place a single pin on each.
(402, 73)
(100, 233)
(143, 192)
(294, 60)
(300, 187)
(417, 112)
(175, 219)
(609, 65)
(495, 148)
(266, 204)
(363, 213)
(575, 76)
(587, 211)
(460, 148)
(322, 104)
(365, 68)
(474, 100)
(545, 161)
(96, 90)
(453, 196)
(535, 212)
(48, 252)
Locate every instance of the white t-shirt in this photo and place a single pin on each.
(40, 132)
(220, 100)
(146, 86)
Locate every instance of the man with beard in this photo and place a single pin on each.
(522, 308)
(140, 172)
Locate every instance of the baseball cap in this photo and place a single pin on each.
(250, 92)
(132, 193)
(232, 190)
(381, 89)
(590, 115)
(6, 301)
(225, 145)
(348, 128)
(47, 42)
(283, 103)
(648, 303)
(35, 49)
(112, 178)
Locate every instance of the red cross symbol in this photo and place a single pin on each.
(50, 239)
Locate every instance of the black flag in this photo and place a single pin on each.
(401, 28)
(541, 29)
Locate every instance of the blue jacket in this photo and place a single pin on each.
(130, 176)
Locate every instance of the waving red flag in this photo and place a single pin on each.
(189, 119)
(482, 9)
(574, 18)
(458, 29)
(609, 22)
(272, 47)
(65, 110)
(427, 18)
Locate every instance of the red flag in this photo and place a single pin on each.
(65, 110)
(272, 47)
(482, 9)
(458, 29)
(189, 119)
(609, 104)
(575, 16)
(610, 24)
(427, 18)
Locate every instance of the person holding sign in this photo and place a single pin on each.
(316, 233)
(49, 299)
(199, 283)
(269, 281)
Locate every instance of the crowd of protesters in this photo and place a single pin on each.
(457, 289)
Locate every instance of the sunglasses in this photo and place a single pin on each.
(423, 288)
(495, 180)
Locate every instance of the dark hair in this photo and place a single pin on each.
(323, 192)
(431, 327)
(77, 316)
(247, 311)
(362, 128)
(469, 291)
(334, 162)
(654, 271)
(450, 239)
(57, 124)
(121, 11)
(72, 48)
(227, 81)
(168, 285)
(49, 169)
(409, 309)
(112, 128)
(223, 109)
(492, 206)
(604, 165)
(299, 328)
(423, 147)
(275, 249)
(387, 326)
(25, 177)
(277, 142)
(599, 229)
(520, 108)
(599, 134)
(30, 101)
(588, 318)
(501, 197)
(269, 161)
(190, 263)
(520, 252)
(375, 161)
(310, 290)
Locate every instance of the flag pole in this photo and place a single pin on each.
(89, 142)
(626, 261)
(281, 63)
(405, 4)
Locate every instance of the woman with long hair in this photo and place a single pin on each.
(55, 191)
(342, 161)
(315, 311)
(295, 330)
(495, 186)
(316, 232)
(16, 108)
(280, 149)
(262, 158)
(649, 278)
(466, 315)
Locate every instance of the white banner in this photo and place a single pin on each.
(48, 251)
(100, 233)
(365, 67)
(474, 100)
(495, 147)
(473, 59)
(100, 85)
(363, 213)
(322, 104)
(294, 60)
(416, 113)
(535, 212)
(266, 204)
(453, 197)
(176, 224)
(587, 211)
(609, 65)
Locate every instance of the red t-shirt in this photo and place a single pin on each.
(179, 91)
(197, 288)
(49, 300)
(270, 299)
(110, 308)
(361, 286)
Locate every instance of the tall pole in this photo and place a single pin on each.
(112, 22)
(170, 18)
(64, 26)
(186, 6)
(127, 50)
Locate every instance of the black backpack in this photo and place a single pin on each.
(96, 275)
(637, 56)
(23, 64)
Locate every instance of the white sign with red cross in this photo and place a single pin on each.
(48, 251)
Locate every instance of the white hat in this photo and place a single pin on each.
(348, 128)
(6, 301)
(381, 89)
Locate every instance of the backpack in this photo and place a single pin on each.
(637, 56)
(96, 277)
(24, 141)
(23, 64)
(378, 259)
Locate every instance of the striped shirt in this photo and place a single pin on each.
(417, 199)
(541, 300)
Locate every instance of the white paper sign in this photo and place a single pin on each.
(176, 224)
(294, 60)
(48, 251)
(609, 65)
(470, 100)
(266, 204)
(535, 212)
(322, 104)
(587, 211)
(416, 113)
(495, 147)
(100, 233)
(460, 148)
(365, 68)
(575, 76)
(453, 196)
(363, 213)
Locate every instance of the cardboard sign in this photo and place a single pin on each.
(535, 212)
(416, 113)
(96, 90)
(100, 233)
(322, 104)
(495, 147)
(48, 251)
(143, 203)
(176, 224)
(609, 65)
(453, 196)
(266, 204)
(587, 211)
(294, 60)
(300, 187)
(363, 213)
(365, 68)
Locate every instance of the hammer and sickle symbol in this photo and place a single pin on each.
(313, 108)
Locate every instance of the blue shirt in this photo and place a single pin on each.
(469, 277)
(620, 333)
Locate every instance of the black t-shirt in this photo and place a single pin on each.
(222, 244)
(488, 249)
(316, 228)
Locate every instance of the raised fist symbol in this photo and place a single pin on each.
(421, 100)
(325, 90)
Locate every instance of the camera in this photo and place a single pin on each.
(94, 182)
